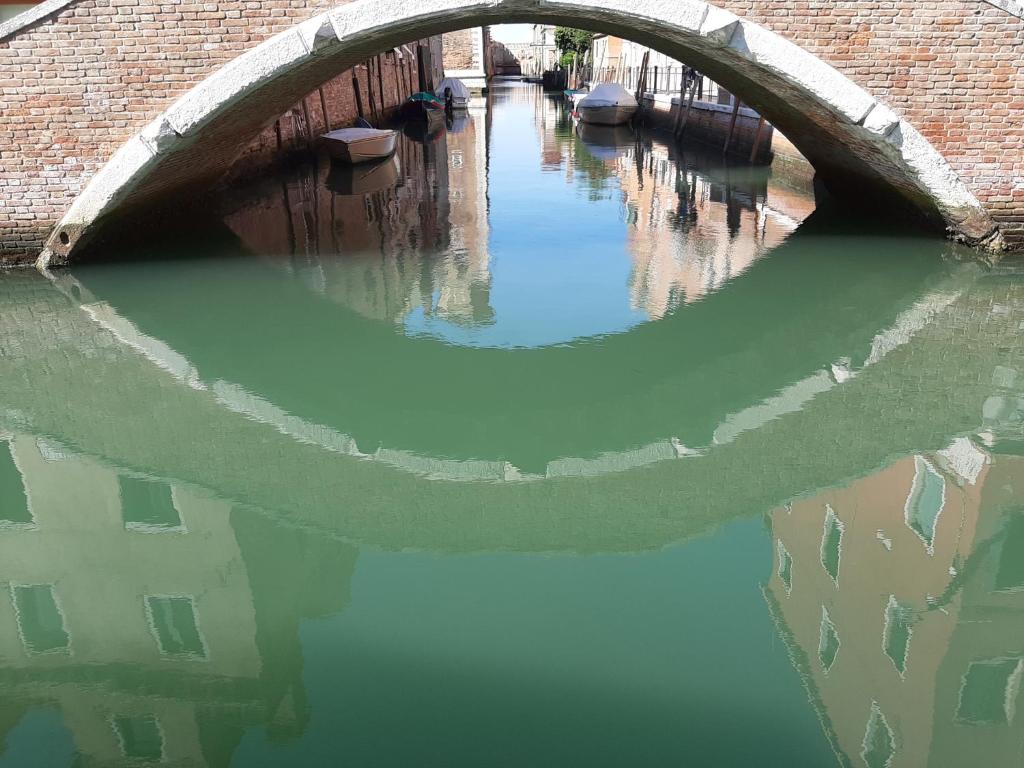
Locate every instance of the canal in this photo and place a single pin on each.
(535, 445)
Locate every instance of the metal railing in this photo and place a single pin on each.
(664, 80)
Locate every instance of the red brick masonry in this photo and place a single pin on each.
(78, 83)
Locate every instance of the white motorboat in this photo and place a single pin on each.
(460, 92)
(607, 104)
(360, 145)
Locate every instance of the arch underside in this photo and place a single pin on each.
(857, 145)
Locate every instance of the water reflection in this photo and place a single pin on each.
(422, 250)
(907, 625)
(782, 523)
(209, 597)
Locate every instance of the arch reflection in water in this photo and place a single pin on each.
(184, 582)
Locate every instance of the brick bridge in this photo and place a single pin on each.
(113, 107)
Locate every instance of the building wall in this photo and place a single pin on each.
(79, 84)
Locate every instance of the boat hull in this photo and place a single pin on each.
(606, 115)
(362, 150)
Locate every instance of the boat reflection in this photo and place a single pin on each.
(364, 179)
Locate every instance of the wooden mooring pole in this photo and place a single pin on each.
(732, 123)
(757, 140)
(689, 104)
(355, 90)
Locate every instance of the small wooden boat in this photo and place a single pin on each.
(424, 109)
(360, 145)
(608, 104)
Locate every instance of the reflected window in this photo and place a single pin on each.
(925, 502)
(140, 737)
(174, 623)
(832, 543)
(896, 636)
(40, 620)
(1010, 572)
(988, 692)
(785, 567)
(879, 746)
(148, 506)
(828, 641)
(14, 511)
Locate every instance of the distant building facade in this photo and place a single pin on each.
(468, 56)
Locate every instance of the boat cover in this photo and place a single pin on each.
(429, 98)
(608, 95)
(459, 89)
(356, 134)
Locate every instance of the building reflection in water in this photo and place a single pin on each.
(413, 235)
(719, 216)
(157, 620)
(901, 597)
(413, 230)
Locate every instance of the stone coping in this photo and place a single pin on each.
(31, 16)
(1015, 7)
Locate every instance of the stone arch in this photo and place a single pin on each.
(856, 143)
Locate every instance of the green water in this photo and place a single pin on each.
(538, 447)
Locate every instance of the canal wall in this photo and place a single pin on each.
(375, 89)
(711, 124)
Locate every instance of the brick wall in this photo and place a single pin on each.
(459, 50)
(383, 83)
(953, 68)
(76, 85)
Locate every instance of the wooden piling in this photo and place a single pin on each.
(689, 105)
(757, 140)
(732, 123)
(323, 106)
(369, 91)
(380, 83)
(356, 89)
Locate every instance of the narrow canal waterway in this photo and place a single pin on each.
(537, 445)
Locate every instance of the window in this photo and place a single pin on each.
(828, 641)
(879, 747)
(925, 502)
(785, 567)
(140, 737)
(14, 511)
(1010, 571)
(988, 692)
(40, 620)
(148, 506)
(897, 632)
(832, 543)
(174, 623)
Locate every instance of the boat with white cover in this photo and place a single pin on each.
(460, 92)
(360, 145)
(607, 104)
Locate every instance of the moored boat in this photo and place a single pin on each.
(460, 93)
(424, 109)
(360, 145)
(607, 104)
